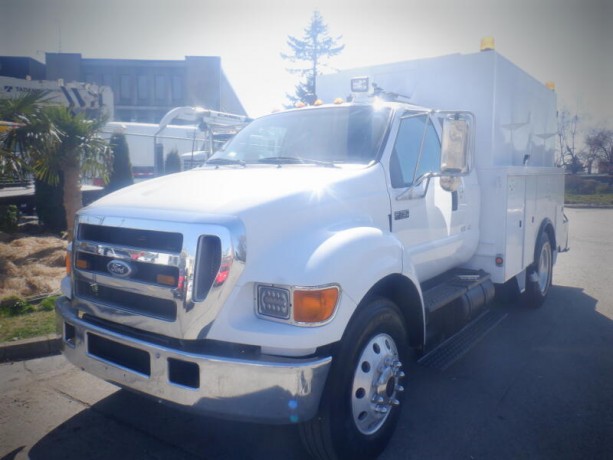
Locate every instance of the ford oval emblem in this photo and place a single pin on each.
(119, 268)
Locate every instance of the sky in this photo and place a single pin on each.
(569, 42)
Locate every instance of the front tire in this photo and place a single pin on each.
(541, 273)
(361, 404)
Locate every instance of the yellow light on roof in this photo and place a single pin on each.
(299, 104)
(488, 43)
(338, 100)
(318, 102)
(550, 85)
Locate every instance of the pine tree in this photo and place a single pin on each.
(172, 163)
(121, 175)
(311, 53)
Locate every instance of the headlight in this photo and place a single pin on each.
(273, 301)
(297, 305)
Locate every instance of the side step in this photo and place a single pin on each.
(459, 344)
(474, 287)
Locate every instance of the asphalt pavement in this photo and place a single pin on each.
(537, 386)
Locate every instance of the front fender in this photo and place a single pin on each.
(355, 258)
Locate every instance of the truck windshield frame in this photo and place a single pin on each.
(348, 134)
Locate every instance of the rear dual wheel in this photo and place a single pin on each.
(541, 273)
(361, 404)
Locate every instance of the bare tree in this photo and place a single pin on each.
(599, 143)
(570, 156)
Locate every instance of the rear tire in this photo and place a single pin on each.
(539, 275)
(361, 403)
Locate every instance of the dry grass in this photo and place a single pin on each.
(30, 265)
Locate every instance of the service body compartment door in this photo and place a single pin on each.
(516, 209)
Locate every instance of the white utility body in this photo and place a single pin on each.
(292, 276)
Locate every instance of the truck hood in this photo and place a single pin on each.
(240, 192)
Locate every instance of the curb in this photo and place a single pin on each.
(589, 206)
(37, 347)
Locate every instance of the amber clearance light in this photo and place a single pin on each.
(315, 305)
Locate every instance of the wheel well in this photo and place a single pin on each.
(400, 290)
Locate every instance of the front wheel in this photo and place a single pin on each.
(361, 404)
(540, 274)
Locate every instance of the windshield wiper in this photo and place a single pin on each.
(294, 160)
(224, 161)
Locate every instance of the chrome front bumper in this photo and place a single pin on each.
(266, 390)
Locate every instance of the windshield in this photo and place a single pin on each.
(327, 135)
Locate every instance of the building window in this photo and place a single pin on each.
(177, 88)
(160, 88)
(143, 87)
(125, 88)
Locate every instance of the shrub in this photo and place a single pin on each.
(48, 304)
(172, 163)
(14, 306)
(603, 188)
(121, 175)
(9, 217)
(573, 183)
(588, 187)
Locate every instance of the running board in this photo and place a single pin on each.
(459, 344)
(474, 287)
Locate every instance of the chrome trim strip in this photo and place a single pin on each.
(265, 390)
(129, 285)
(129, 253)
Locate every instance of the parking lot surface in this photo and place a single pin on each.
(537, 386)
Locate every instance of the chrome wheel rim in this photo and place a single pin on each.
(376, 384)
(544, 268)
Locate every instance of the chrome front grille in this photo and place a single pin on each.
(155, 280)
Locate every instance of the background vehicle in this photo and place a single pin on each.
(293, 276)
(199, 132)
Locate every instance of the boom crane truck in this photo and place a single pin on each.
(295, 275)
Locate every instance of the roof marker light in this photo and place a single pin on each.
(488, 43)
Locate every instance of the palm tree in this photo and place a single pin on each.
(52, 142)
(72, 147)
(18, 116)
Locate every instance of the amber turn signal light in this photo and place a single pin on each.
(316, 305)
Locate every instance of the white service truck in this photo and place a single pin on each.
(292, 278)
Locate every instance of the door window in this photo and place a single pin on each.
(416, 134)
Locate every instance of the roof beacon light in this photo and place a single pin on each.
(487, 44)
(550, 85)
(359, 85)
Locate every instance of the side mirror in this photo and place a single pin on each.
(455, 151)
